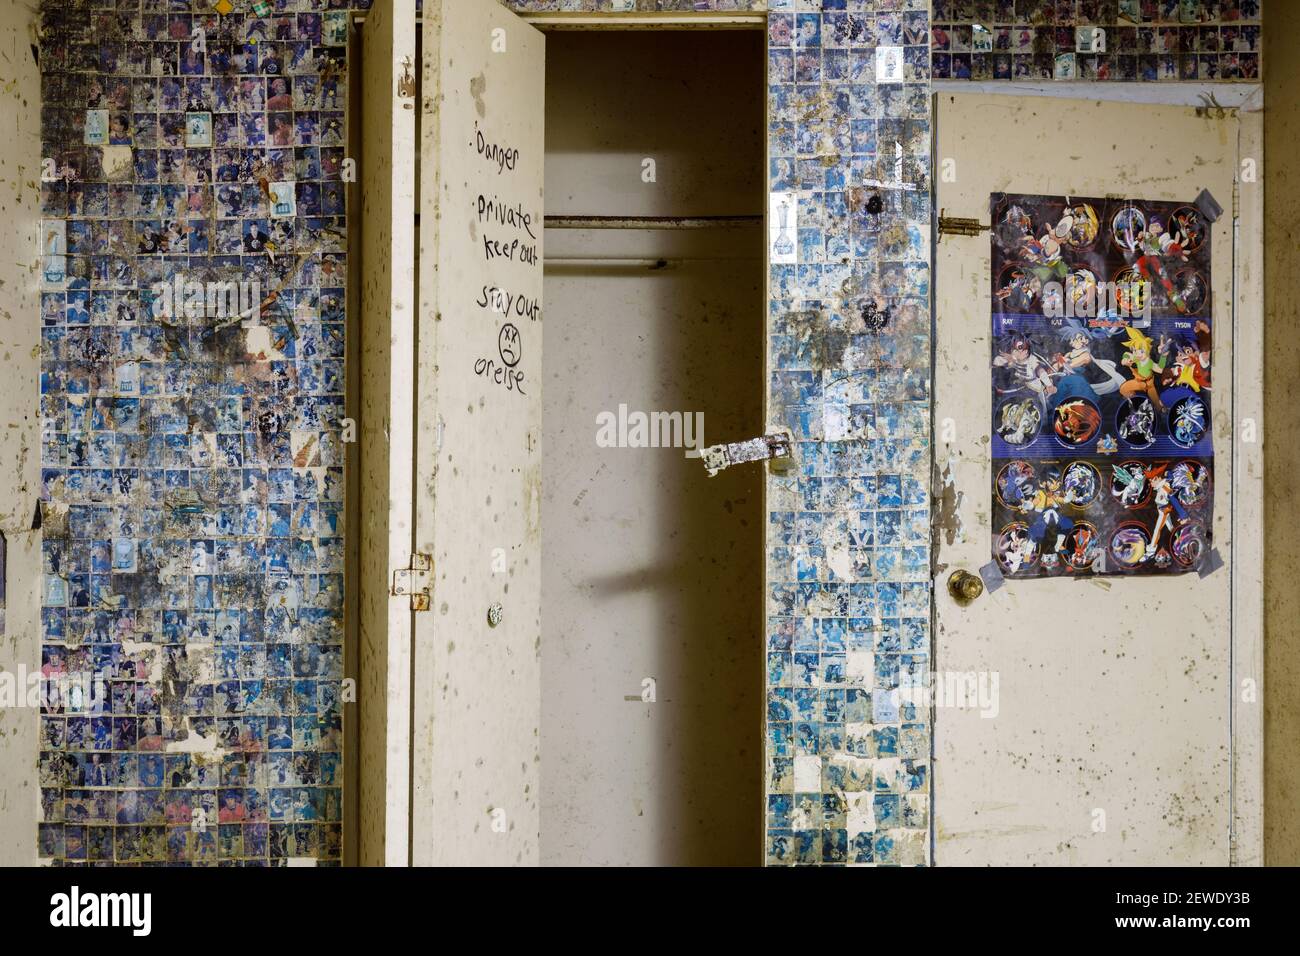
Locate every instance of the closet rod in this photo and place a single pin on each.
(649, 222)
(645, 222)
(650, 262)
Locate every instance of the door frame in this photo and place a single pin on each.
(1248, 528)
(20, 438)
(1246, 409)
(379, 512)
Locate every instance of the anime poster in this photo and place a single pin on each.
(1101, 370)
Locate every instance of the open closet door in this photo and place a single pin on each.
(386, 172)
(478, 438)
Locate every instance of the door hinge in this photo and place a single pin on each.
(956, 226)
(413, 581)
(777, 447)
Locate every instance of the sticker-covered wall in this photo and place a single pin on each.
(848, 744)
(1133, 40)
(191, 397)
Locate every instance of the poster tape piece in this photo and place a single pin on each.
(1209, 206)
(1213, 561)
(991, 575)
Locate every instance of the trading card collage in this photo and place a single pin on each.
(1097, 40)
(193, 295)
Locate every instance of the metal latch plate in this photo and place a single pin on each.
(774, 446)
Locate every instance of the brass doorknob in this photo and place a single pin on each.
(964, 587)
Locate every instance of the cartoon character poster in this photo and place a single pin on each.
(1101, 372)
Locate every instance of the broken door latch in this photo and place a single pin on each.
(414, 581)
(774, 447)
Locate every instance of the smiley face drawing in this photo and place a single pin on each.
(509, 346)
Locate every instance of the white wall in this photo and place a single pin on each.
(20, 645)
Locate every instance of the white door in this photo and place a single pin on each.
(478, 417)
(1107, 740)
